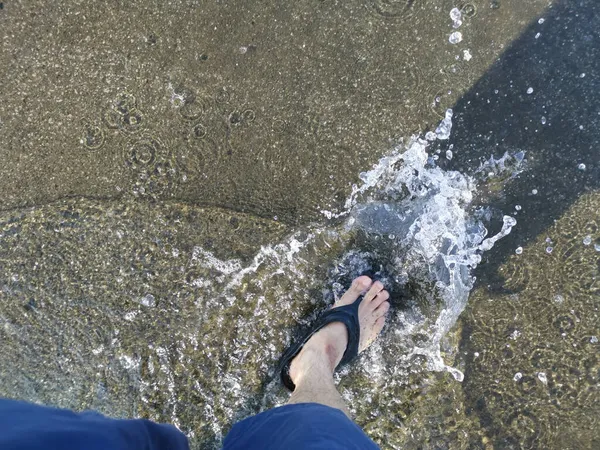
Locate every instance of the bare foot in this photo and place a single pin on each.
(325, 349)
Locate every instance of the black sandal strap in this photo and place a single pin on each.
(348, 315)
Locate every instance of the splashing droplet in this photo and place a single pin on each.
(456, 37)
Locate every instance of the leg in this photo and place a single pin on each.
(316, 386)
(312, 370)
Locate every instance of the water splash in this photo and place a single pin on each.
(409, 224)
(436, 242)
(456, 16)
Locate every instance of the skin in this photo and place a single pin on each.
(312, 370)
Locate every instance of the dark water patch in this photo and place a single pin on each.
(556, 58)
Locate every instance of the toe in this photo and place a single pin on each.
(378, 326)
(376, 288)
(379, 299)
(381, 310)
(359, 286)
(373, 332)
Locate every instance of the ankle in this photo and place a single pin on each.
(311, 376)
(311, 363)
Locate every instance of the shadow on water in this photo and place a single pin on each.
(557, 125)
(523, 380)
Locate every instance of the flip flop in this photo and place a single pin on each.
(348, 315)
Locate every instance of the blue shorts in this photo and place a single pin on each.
(299, 426)
(25, 426)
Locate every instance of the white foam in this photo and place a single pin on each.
(207, 259)
(426, 207)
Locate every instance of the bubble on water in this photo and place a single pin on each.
(549, 250)
(581, 166)
(530, 90)
(455, 14)
(518, 376)
(456, 17)
(543, 120)
(594, 340)
(124, 114)
(178, 95)
(457, 374)
(537, 36)
(222, 96)
(534, 191)
(195, 106)
(597, 247)
(455, 37)
(248, 116)
(541, 21)
(449, 155)
(130, 316)
(582, 75)
(467, 55)
(518, 207)
(148, 300)
(587, 240)
(128, 362)
(93, 136)
(143, 153)
(469, 10)
(199, 131)
(519, 250)
(542, 377)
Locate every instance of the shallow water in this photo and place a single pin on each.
(186, 185)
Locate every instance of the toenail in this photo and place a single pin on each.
(363, 282)
(384, 294)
